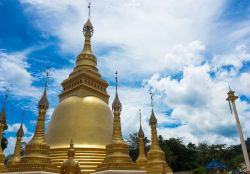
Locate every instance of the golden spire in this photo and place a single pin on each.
(86, 59)
(16, 156)
(70, 166)
(43, 106)
(3, 112)
(117, 107)
(36, 155)
(153, 124)
(156, 162)
(117, 153)
(2, 168)
(141, 161)
(85, 80)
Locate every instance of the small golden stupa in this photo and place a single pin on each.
(156, 162)
(16, 156)
(117, 153)
(36, 155)
(70, 166)
(141, 161)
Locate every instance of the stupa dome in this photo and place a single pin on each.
(88, 121)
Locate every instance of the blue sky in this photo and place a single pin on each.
(187, 52)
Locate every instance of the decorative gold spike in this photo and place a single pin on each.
(117, 153)
(141, 161)
(16, 156)
(156, 162)
(3, 112)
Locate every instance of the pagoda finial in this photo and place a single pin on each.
(20, 131)
(46, 78)
(116, 104)
(140, 133)
(43, 103)
(141, 160)
(89, 8)
(22, 117)
(140, 116)
(116, 81)
(152, 100)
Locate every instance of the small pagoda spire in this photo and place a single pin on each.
(44, 103)
(19, 135)
(88, 31)
(140, 133)
(156, 162)
(117, 107)
(3, 112)
(43, 106)
(153, 124)
(141, 161)
(89, 9)
(116, 103)
(86, 59)
(117, 153)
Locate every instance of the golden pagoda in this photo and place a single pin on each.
(141, 161)
(83, 113)
(36, 155)
(117, 153)
(16, 156)
(156, 162)
(70, 166)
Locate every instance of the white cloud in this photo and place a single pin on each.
(140, 38)
(14, 74)
(198, 100)
(143, 32)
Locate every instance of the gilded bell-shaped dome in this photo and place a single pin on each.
(88, 121)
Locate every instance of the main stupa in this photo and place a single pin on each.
(83, 113)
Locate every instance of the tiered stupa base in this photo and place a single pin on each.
(88, 158)
(156, 163)
(2, 167)
(117, 158)
(36, 158)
